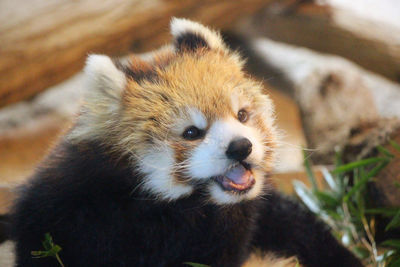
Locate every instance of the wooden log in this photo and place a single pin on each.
(337, 98)
(343, 108)
(43, 43)
(29, 128)
(373, 44)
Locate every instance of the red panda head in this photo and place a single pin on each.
(187, 115)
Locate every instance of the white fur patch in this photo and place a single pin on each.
(239, 102)
(158, 167)
(182, 26)
(103, 75)
(192, 117)
(209, 158)
(198, 118)
(104, 87)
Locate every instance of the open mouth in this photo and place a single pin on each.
(238, 179)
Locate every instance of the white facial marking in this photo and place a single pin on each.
(191, 117)
(239, 102)
(198, 118)
(103, 75)
(209, 158)
(158, 167)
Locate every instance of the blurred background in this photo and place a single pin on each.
(331, 66)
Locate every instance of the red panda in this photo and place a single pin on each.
(168, 163)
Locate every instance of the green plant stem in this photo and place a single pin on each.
(348, 223)
(59, 260)
(309, 171)
(371, 239)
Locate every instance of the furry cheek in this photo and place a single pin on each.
(208, 159)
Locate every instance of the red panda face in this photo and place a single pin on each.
(188, 116)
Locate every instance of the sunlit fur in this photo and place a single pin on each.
(145, 117)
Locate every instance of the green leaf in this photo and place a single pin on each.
(326, 199)
(334, 215)
(193, 264)
(365, 179)
(55, 249)
(387, 212)
(357, 164)
(338, 158)
(329, 180)
(394, 223)
(395, 243)
(51, 250)
(384, 151)
(394, 263)
(395, 145)
(356, 217)
(48, 241)
(361, 252)
(306, 196)
(310, 173)
(40, 254)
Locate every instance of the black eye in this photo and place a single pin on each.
(192, 133)
(242, 115)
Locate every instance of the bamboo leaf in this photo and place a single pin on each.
(387, 212)
(365, 179)
(357, 164)
(329, 180)
(394, 263)
(394, 223)
(395, 145)
(327, 200)
(40, 254)
(334, 215)
(51, 250)
(384, 151)
(361, 252)
(48, 241)
(391, 243)
(306, 196)
(310, 174)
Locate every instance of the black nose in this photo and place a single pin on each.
(239, 149)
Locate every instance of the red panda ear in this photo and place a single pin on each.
(105, 85)
(104, 79)
(190, 36)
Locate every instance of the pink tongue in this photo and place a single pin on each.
(238, 175)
